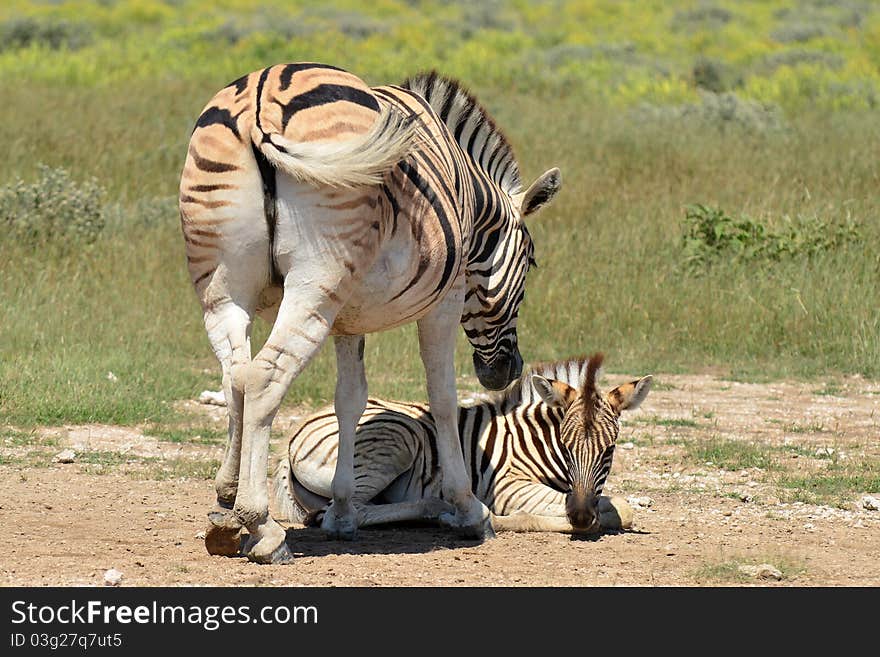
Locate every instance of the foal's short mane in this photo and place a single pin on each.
(572, 371)
(589, 391)
(472, 126)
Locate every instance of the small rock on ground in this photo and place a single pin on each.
(870, 503)
(212, 398)
(67, 456)
(112, 577)
(762, 571)
(643, 502)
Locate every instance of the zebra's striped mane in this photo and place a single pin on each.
(522, 393)
(473, 127)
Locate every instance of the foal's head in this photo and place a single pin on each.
(590, 427)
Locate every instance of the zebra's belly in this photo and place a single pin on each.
(399, 288)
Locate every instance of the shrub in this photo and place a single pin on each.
(799, 32)
(715, 76)
(711, 234)
(142, 213)
(723, 112)
(55, 208)
(798, 56)
(706, 17)
(56, 34)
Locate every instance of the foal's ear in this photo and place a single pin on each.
(540, 193)
(628, 396)
(554, 393)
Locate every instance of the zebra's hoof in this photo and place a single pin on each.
(279, 556)
(615, 513)
(479, 528)
(339, 528)
(223, 535)
(267, 545)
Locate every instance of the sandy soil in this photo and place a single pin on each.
(66, 524)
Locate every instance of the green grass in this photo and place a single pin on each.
(34, 458)
(178, 468)
(192, 434)
(14, 438)
(669, 421)
(728, 571)
(730, 454)
(839, 484)
(830, 388)
(811, 427)
(612, 273)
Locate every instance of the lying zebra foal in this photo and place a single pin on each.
(538, 455)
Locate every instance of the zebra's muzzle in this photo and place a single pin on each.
(582, 511)
(501, 373)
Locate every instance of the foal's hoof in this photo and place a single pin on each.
(615, 513)
(223, 535)
(340, 528)
(475, 525)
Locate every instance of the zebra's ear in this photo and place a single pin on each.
(629, 396)
(540, 193)
(554, 393)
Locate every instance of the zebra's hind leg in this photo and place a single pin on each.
(228, 328)
(304, 319)
(437, 334)
(341, 521)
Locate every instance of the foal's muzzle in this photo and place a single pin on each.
(582, 510)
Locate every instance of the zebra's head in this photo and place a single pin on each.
(497, 269)
(589, 430)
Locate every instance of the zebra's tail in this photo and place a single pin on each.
(358, 162)
(286, 507)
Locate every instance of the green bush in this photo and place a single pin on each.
(55, 208)
(714, 75)
(705, 16)
(724, 112)
(710, 234)
(55, 34)
(798, 56)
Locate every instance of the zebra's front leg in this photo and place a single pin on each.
(437, 333)
(341, 520)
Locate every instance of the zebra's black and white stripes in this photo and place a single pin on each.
(333, 208)
(544, 447)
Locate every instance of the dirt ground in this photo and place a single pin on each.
(138, 504)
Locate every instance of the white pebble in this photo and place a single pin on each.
(67, 456)
(112, 577)
(627, 446)
(200, 535)
(762, 571)
(213, 398)
(870, 503)
(643, 502)
(112, 377)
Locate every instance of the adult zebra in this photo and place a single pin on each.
(334, 209)
(538, 455)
